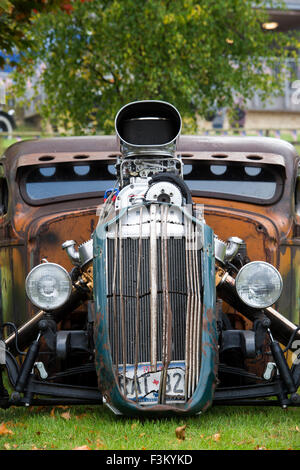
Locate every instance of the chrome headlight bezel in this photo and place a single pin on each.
(251, 269)
(62, 279)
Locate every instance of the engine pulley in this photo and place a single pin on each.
(165, 193)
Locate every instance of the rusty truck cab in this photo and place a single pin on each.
(50, 190)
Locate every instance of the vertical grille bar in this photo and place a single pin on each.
(192, 313)
(195, 314)
(137, 321)
(199, 311)
(153, 287)
(188, 312)
(167, 311)
(115, 298)
(194, 310)
(123, 325)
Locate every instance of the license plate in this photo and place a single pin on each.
(146, 386)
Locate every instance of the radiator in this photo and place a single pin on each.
(154, 302)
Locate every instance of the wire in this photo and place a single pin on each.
(13, 326)
(291, 339)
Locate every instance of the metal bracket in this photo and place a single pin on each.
(268, 374)
(41, 369)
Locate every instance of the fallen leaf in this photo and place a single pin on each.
(4, 430)
(133, 426)
(99, 444)
(297, 429)
(64, 407)
(241, 443)
(6, 446)
(82, 448)
(260, 448)
(66, 415)
(180, 432)
(142, 434)
(37, 409)
(216, 437)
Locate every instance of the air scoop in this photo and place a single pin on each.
(148, 128)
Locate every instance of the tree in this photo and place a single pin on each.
(16, 17)
(109, 52)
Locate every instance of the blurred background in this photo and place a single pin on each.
(26, 91)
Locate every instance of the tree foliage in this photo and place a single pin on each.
(107, 53)
(16, 16)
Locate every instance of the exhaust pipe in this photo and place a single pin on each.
(148, 128)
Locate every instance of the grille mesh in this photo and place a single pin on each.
(177, 291)
(177, 284)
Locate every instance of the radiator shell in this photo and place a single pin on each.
(105, 357)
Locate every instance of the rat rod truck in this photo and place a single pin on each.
(154, 272)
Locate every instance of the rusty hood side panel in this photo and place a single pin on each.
(43, 238)
(266, 237)
(258, 231)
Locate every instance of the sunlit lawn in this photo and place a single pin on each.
(96, 428)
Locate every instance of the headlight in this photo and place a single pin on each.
(258, 284)
(48, 286)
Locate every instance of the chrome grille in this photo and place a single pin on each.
(154, 301)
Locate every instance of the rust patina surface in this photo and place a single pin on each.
(31, 232)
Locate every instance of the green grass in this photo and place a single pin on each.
(4, 143)
(225, 428)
